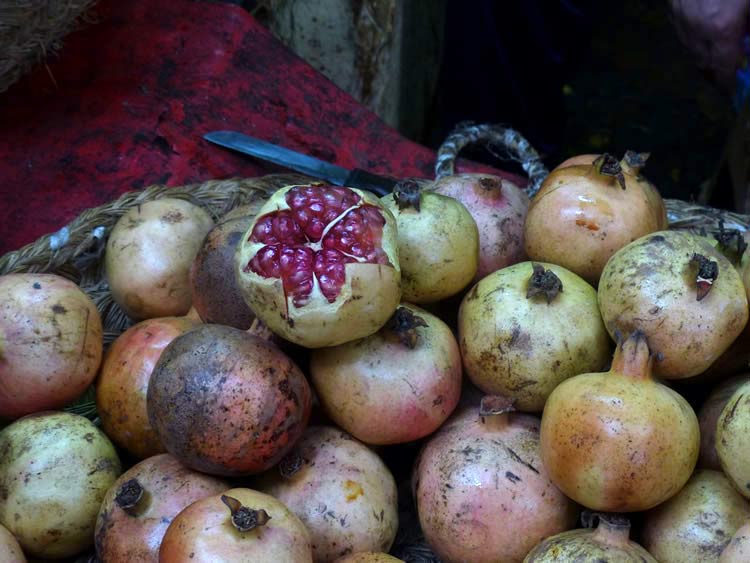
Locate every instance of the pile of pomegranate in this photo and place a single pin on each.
(554, 379)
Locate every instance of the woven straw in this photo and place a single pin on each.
(76, 251)
(32, 29)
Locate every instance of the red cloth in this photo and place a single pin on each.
(133, 94)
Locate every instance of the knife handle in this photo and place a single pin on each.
(364, 180)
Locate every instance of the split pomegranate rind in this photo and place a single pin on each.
(319, 265)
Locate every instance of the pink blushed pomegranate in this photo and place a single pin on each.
(499, 209)
(319, 265)
(394, 386)
(482, 492)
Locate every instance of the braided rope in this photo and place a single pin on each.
(503, 142)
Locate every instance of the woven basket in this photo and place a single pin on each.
(76, 252)
(32, 29)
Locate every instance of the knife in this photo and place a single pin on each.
(311, 166)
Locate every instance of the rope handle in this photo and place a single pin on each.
(501, 141)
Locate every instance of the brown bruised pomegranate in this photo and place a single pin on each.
(584, 213)
(733, 439)
(55, 469)
(140, 505)
(698, 522)
(319, 265)
(438, 243)
(528, 327)
(708, 416)
(216, 295)
(225, 402)
(10, 550)
(609, 541)
(123, 383)
(397, 385)
(499, 209)
(340, 489)
(619, 441)
(238, 526)
(50, 343)
(482, 492)
(738, 550)
(682, 293)
(148, 257)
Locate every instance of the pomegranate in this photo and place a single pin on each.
(319, 264)
(239, 526)
(398, 385)
(140, 505)
(697, 523)
(368, 557)
(708, 417)
(216, 295)
(577, 160)
(619, 441)
(10, 551)
(682, 293)
(499, 209)
(584, 213)
(738, 550)
(123, 383)
(225, 402)
(438, 243)
(481, 490)
(609, 541)
(733, 439)
(148, 257)
(528, 327)
(55, 468)
(50, 343)
(340, 489)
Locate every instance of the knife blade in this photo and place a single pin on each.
(305, 164)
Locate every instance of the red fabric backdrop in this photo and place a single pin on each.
(127, 102)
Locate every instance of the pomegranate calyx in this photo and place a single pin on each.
(407, 193)
(612, 528)
(494, 405)
(543, 282)
(244, 518)
(403, 325)
(708, 271)
(608, 165)
(633, 162)
(633, 357)
(731, 243)
(290, 464)
(129, 494)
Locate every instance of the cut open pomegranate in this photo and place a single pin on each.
(315, 249)
(324, 228)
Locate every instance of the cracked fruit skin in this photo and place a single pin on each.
(650, 285)
(482, 492)
(619, 441)
(523, 348)
(319, 265)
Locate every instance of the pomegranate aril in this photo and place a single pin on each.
(297, 273)
(359, 234)
(330, 270)
(278, 228)
(265, 262)
(314, 207)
